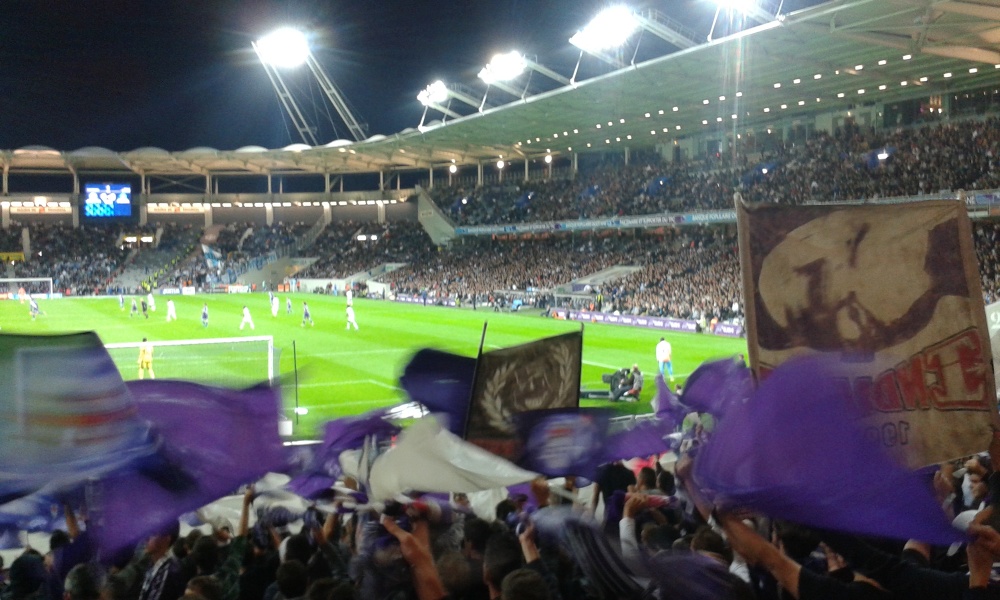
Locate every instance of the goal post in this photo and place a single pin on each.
(238, 361)
(9, 286)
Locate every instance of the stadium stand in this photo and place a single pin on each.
(662, 537)
(81, 260)
(838, 166)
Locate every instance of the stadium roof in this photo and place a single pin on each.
(831, 57)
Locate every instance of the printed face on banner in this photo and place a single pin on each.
(886, 290)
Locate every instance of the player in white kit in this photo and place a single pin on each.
(247, 319)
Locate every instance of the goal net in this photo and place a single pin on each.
(9, 287)
(231, 362)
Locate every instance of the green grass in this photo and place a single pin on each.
(349, 372)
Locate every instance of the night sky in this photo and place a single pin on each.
(125, 74)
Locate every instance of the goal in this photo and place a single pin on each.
(32, 285)
(232, 362)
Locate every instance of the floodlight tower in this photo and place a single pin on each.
(613, 27)
(507, 67)
(288, 48)
(757, 10)
(438, 93)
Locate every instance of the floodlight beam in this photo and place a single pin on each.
(287, 100)
(336, 98)
(503, 86)
(547, 72)
(666, 29)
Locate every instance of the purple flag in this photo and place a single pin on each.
(562, 441)
(644, 439)
(442, 382)
(211, 441)
(690, 576)
(667, 407)
(66, 417)
(796, 451)
(716, 386)
(347, 433)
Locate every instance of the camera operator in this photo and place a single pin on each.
(630, 387)
(616, 379)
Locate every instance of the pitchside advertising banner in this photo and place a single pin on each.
(666, 323)
(892, 295)
(712, 216)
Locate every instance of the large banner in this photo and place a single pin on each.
(892, 294)
(532, 376)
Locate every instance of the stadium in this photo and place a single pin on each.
(527, 205)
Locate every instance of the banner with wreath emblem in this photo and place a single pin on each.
(538, 375)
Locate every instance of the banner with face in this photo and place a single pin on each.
(891, 292)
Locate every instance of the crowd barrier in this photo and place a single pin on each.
(666, 323)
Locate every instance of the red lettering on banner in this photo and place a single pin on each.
(885, 394)
(912, 383)
(950, 375)
(958, 366)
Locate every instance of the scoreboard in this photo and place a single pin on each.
(107, 200)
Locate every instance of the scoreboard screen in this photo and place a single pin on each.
(107, 200)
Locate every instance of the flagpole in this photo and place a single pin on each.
(295, 369)
(475, 373)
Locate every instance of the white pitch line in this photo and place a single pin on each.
(352, 403)
(354, 382)
(586, 362)
(352, 353)
(597, 364)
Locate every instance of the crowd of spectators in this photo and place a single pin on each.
(642, 529)
(987, 242)
(81, 260)
(245, 246)
(10, 238)
(346, 248)
(688, 272)
(692, 273)
(479, 268)
(850, 163)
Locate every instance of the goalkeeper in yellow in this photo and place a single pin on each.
(146, 360)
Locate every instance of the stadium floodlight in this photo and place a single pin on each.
(504, 67)
(286, 48)
(435, 93)
(752, 9)
(508, 67)
(610, 29)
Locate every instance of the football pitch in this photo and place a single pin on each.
(332, 372)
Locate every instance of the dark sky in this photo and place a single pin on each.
(175, 74)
